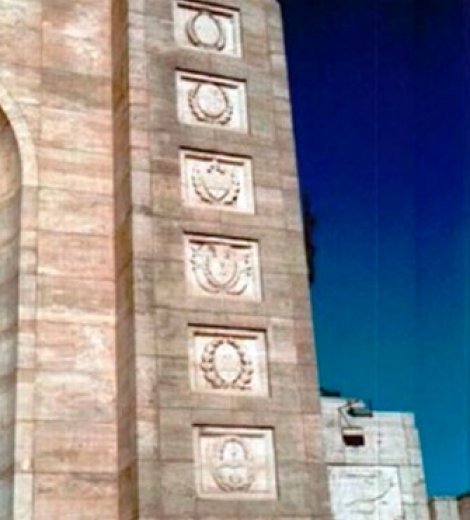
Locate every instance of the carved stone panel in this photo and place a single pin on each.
(222, 267)
(365, 493)
(235, 463)
(228, 361)
(211, 101)
(217, 181)
(207, 28)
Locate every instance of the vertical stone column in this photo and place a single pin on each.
(20, 114)
(227, 411)
(55, 91)
(73, 400)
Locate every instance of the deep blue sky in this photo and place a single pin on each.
(381, 97)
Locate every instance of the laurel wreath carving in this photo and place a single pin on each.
(226, 473)
(222, 117)
(206, 193)
(208, 366)
(197, 41)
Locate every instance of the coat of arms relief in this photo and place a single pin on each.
(223, 267)
(227, 365)
(235, 463)
(217, 181)
(216, 184)
(228, 361)
(232, 465)
(213, 101)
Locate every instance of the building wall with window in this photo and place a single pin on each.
(374, 463)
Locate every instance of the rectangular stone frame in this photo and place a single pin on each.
(228, 17)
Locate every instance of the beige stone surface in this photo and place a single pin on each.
(107, 107)
(165, 72)
(55, 88)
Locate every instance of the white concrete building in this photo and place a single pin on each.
(374, 463)
(444, 508)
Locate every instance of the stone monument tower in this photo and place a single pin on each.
(156, 357)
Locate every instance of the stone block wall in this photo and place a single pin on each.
(382, 479)
(55, 94)
(156, 356)
(227, 416)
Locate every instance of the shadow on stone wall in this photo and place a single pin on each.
(10, 182)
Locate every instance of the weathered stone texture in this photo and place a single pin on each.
(100, 407)
(55, 90)
(207, 257)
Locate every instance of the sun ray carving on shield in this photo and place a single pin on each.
(221, 268)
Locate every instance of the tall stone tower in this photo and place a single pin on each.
(156, 359)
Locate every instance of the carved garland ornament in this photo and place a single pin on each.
(226, 365)
(232, 465)
(205, 30)
(209, 103)
(215, 184)
(221, 268)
